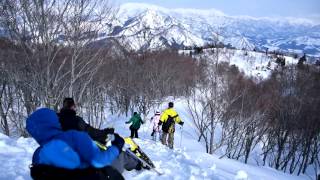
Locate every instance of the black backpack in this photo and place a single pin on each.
(166, 125)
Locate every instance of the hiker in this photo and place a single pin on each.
(136, 123)
(155, 125)
(70, 154)
(70, 121)
(168, 119)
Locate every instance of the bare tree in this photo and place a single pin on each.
(55, 47)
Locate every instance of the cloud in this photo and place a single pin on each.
(315, 18)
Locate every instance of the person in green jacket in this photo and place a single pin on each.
(136, 123)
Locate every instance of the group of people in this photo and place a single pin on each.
(167, 120)
(69, 147)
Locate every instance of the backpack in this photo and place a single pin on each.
(166, 125)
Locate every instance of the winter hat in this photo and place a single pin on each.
(170, 104)
(68, 103)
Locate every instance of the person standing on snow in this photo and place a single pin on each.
(168, 119)
(70, 121)
(155, 125)
(135, 126)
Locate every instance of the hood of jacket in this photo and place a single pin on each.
(43, 125)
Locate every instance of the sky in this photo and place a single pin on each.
(255, 8)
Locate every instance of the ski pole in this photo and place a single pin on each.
(181, 128)
(144, 130)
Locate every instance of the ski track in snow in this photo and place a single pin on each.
(186, 162)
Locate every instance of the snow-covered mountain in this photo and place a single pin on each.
(150, 26)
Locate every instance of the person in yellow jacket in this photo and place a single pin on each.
(168, 119)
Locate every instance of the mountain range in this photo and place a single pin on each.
(149, 26)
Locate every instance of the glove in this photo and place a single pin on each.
(118, 142)
(109, 130)
(181, 123)
(160, 122)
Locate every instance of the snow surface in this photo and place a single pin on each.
(186, 161)
(254, 64)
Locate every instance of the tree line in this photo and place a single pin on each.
(278, 117)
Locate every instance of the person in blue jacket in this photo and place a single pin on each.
(70, 154)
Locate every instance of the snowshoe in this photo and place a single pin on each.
(147, 165)
(133, 147)
(134, 150)
(139, 153)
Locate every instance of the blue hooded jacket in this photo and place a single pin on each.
(70, 149)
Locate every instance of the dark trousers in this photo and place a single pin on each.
(46, 172)
(134, 132)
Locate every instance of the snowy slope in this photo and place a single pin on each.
(180, 163)
(189, 27)
(188, 161)
(251, 63)
(15, 157)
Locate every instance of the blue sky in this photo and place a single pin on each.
(256, 8)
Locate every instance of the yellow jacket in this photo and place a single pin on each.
(170, 112)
